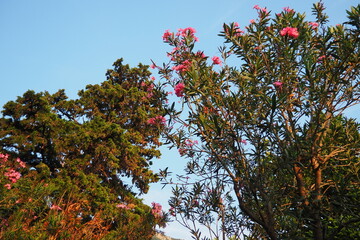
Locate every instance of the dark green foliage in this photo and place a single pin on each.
(83, 156)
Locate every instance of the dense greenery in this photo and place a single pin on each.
(271, 155)
(66, 164)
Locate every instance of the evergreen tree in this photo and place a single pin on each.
(68, 166)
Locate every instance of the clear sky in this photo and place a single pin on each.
(50, 45)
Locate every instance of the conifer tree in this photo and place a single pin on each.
(68, 167)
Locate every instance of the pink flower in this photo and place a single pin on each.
(283, 32)
(190, 143)
(321, 58)
(187, 32)
(55, 207)
(252, 21)
(313, 25)
(156, 210)
(186, 63)
(238, 32)
(260, 9)
(151, 121)
(200, 54)
(243, 141)
(152, 66)
(216, 60)
(184, 66)
(289, 10)
(157, 120)
(179, 89)
(8, 186)
(152, 78)
(289, 31)
(167, 35)
(12, 175)
(278, 84)
(182, 151)
(264, 10)
(180, 68)
(150, 88)
(4, 157)
(22, 164)
(172, 211)
(123, 206)
(171, 55)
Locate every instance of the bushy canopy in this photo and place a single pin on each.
(68, 166)
(271, 155)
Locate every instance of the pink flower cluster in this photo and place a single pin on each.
(123, 206)
(167, 35)
(278, 84)
(322, 58)
(157, 120)
(149, 88)
(238, 31)
(289, 10)
(4, 157)
(173, 53)
(172, 211)
(182, 151)
(179, 89)
(189, 31)
(216, 60)
(21, 163)
(156, 210)
(289, 31)
(55, 207)
(313, 25)
(13, 175)
(260, 9)
(200, 54)
(184, 66)
(190, 143)
(186, 32)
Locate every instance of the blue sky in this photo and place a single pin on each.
(50, 45)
